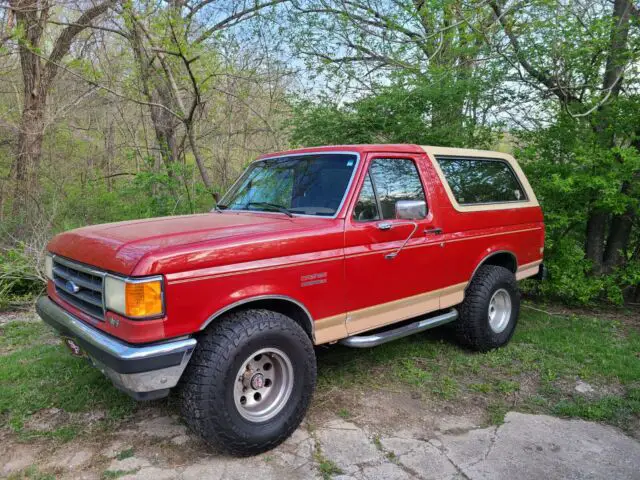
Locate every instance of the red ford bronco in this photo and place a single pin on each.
(357, 244)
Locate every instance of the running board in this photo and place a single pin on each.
(366, 341)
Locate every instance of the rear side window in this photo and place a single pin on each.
(475, 180)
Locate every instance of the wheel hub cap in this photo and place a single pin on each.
(499, 310)
(257, 381)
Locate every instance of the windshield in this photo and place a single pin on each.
(303, 184)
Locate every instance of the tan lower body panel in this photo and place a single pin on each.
(452, 295)
(334, 328)
(330, 329)
(528, 270)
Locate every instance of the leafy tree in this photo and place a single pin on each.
(40, 59)
(399, 113)
(433, 50)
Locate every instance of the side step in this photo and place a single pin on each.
(366, 341)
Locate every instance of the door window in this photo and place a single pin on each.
(388, 181)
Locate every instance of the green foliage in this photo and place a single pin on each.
(400, 113)
(149, 193)
(19, 279)
(572, 174)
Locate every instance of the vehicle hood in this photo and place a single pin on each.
(120, 247)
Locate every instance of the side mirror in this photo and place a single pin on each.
(411, 209)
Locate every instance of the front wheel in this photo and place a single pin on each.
(489, 312)
(249, 382)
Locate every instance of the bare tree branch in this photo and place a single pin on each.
(63, 43)
(552, 85)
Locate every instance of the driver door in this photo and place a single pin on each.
(393, 258)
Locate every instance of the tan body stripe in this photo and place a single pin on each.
(252, 270)
(340, 257)
(454, 240)
(334, 328)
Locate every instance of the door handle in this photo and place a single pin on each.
(385, 225)
(433, 231)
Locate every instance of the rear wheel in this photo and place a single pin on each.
(490, 310)
(249, 382)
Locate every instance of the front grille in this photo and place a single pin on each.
(79, 285)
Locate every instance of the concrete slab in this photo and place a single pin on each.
(418, 457)
(346, 445)
(540, 446)
(524, 447)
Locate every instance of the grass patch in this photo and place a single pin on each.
(111, 474)
(124, 454)
(551, 352)
(326, 467)
(31, 473)
(344, 413)
(63, 434)
(18, 334)
(496, 412)
(611, 409)
(40, 375)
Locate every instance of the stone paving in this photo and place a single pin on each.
(524, 447)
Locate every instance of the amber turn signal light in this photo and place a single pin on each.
(143, 299)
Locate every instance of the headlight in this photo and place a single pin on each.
(134, 298)
(48, 266)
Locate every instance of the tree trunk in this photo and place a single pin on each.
(156, 92)
(611, 85)
(594, 248)
(618, 240)
(164, 126)
(29, 152)
(621, 226)
(37, 79)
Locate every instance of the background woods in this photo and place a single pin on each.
(115, 110)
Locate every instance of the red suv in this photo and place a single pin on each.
(358, 244)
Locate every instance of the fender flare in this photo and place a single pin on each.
(258, 298)
(493, 254)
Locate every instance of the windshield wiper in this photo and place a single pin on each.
(219, 207)
(272, 206)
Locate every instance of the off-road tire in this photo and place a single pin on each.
(206, 390)
(472, 328)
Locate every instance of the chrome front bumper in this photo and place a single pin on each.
(146, 372)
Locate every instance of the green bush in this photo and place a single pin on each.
(19, 277)
(147, 194)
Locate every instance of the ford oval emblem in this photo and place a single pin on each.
(71, 287)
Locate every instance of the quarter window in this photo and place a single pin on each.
(367, 206)
(477, 181)
(388, 181)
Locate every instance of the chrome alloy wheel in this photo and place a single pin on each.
(263, 385)
(499, 310)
